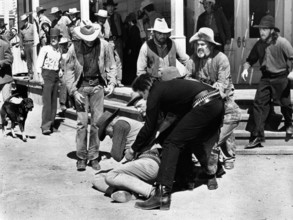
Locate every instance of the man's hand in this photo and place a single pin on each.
(109, 89)
(79, 98)
(97, 88)
(244, 74)
(129, 154)
(61, 73)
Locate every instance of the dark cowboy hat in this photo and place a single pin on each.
(55, 32)
(3, 25)
(110, 2)
(267, 21)
(104, 121)
(130, 17)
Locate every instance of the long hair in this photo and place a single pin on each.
(142, 83)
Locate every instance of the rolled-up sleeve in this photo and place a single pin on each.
(142, 60)
(110, 65)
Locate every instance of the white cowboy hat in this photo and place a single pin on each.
(102, 13)
(145, 3)
(161, 26)
(64, 40)
(86, 31)
(54, 10)
(23, 17)
(72, 11)
(204, 34)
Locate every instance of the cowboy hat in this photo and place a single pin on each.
(267, 21)
(145, 3)
(212, 1)
(55, 32)
(23, 17)
(169, 73)
(104, 121)
(64, 40)
(40, 9)
(55, 10)
(86, 31)
(130, 17)
(3, 25)
(72, 11)
(102, 13)
(110, 2)
(161, 26)
(204, 34)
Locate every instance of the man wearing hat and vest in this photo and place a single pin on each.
(211, 66)
(60, 21)
(159, 52)
(41, 17)
(89, 67)
(27, 43)
(101, 20)
(116, 37)
(214, 18)
(48, 69)
(273, 52)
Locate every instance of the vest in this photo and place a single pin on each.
(153, 61)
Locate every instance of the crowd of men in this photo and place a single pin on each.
(187, 118)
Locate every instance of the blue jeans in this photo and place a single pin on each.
(93, 101)
(231, 120)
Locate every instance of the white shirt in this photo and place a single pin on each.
(49, 58)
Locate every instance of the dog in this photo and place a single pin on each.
(17, 113)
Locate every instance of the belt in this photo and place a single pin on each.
(114, 37)
(205, 97)
(28, 41)
(90, 81)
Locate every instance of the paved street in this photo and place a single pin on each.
(39, 181)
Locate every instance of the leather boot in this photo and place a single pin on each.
(212, 183)
(160, 199)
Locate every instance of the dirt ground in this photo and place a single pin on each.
(39, 181)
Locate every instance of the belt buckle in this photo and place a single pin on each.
(91, 82)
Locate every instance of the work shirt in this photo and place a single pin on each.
(272, 57)
(49, 58)
(175, 96)
(27, 34)
(213, 70)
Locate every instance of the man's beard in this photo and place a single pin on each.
(200, 53)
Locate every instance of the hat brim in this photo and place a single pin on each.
(42, 10)
(73, 13)
(196, 38)
(55, 12)
(134, 100)
(82, 36)
(102, 128)
(161, 31)
(105, 4)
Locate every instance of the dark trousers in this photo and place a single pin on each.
(276, 89)
(50, 93)
(200, 125)
(63, 92)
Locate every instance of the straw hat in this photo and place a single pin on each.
(55, 10)
(102, 13)
(72, 11)
(104, 121)
(86, 31)
(204, 34)
(64, 40)
(161, 26)
(23, 17)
